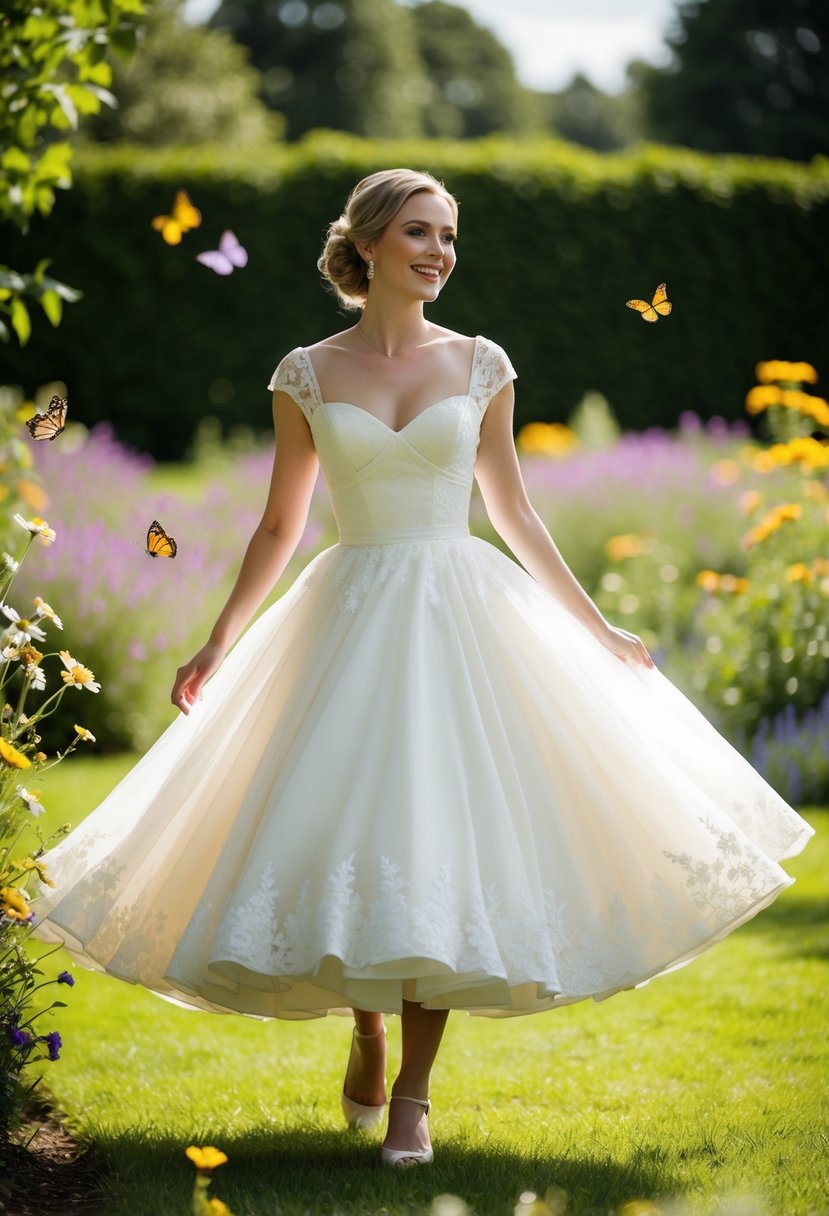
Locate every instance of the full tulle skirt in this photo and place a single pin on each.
(418, 777)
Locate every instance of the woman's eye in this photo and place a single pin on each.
(451, 239)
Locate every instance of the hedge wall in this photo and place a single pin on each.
(553, 240)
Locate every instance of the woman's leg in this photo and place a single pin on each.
(422, 1033)
(365, 1080)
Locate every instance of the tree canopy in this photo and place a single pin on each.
(186, 84)
(475, 90)
(748, 76)
(349, 65)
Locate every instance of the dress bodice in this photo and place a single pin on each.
(387, 485)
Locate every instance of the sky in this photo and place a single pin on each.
(551, 40)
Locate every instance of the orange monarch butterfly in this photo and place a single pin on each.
(159, 544)
(185, 216)
(660, 304)
(50, 424)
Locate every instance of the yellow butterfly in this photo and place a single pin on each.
(159, 544)
(185, 216)
(50, 424)
(659, 304)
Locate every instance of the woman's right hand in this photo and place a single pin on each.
(191, 676)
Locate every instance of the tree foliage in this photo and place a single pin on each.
(54, 71)
(474, 89)
(747, 76)
(585, 115)
(186, 84)
(349, 65)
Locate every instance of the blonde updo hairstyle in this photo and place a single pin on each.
(371, 206)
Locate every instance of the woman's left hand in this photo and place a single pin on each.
(626, 646)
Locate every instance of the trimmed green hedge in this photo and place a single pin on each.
(553, 241)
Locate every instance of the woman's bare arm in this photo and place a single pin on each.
(515, 520)
(270, 549)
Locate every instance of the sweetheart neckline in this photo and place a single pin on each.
(477, 343)
(360, 410)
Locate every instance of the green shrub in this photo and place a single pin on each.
(553, 241)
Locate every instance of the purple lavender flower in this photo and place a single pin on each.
(66, 978)
(53, 1043)
(19, 1037)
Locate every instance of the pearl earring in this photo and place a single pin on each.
(370, 270)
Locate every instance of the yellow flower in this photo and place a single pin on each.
(86, 735)
(709, 580)
(546, 439)
(760, 398)
(781, 369)
(30, 656)
(206, 1159)
(749, 501)
(12, 756)
(798, 573)
(216, 1205)
(730, 582)
(787, 510)
(31, 863)
(627, 544)
(13, 904)
(76, 675)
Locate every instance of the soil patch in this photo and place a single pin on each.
(45, 1171)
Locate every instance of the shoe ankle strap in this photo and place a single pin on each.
(424, 1102)
(359, 1035)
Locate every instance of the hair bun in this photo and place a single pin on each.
(371, 206)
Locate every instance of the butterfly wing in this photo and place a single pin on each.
(660, 301)
(159, 544)
(233, 249)
(171, 231)
(185, 216)
(184, 213)
(216, 261)
(645, 310)
(50, 424)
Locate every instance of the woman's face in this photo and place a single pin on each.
(416, 253)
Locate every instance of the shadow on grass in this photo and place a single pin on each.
(799, 925)
(317, 1172)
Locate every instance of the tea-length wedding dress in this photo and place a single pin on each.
(418, 776)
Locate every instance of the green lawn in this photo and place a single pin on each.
(705, 1090)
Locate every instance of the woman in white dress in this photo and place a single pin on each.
(425, 778)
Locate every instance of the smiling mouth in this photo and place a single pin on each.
(432, 273)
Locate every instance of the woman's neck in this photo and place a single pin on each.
(392, 331)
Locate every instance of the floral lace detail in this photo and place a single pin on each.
(768, 821)
(376, 564)
(291, 377)
(731, 884)
(493, 931)
(491, 372)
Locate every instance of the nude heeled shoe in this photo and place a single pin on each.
(408, 1156)
(356, 1115)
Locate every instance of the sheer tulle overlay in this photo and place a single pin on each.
(418, 777)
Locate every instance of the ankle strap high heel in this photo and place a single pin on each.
(408, 1156)
(356, 1115)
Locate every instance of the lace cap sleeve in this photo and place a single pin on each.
(292, 377)
(493, 370)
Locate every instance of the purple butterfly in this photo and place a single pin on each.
(227, 257)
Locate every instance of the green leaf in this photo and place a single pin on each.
(62, 96)
(52, 305)
(21, 321)
(15, 160)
